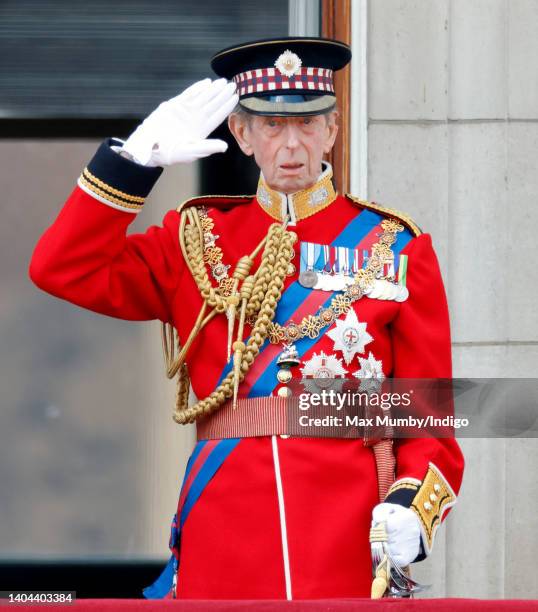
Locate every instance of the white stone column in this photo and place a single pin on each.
(452, 122)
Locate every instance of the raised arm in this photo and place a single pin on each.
(86, 257)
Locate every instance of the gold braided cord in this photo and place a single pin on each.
(260, 295)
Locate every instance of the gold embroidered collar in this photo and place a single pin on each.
(298, 205)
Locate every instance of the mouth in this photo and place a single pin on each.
(291, 167)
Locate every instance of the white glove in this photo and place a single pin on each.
(177, 130)
(403, 531)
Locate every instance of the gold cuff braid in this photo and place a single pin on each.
(432, 500)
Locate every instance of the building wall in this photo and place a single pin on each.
(453, 141)
(90, 459)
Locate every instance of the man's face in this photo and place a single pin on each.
(288, 150)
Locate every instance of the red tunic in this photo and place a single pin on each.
(282, 517)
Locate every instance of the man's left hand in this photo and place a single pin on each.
(403, 531)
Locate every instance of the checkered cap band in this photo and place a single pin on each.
(271, 79)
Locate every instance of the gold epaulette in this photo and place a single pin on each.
(388, 212)
(215, 201)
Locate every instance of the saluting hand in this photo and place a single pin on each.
(177, 130)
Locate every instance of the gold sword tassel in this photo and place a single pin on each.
(380, 583)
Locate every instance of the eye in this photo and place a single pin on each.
(307, 120)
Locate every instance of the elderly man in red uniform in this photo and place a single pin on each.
(255, 292)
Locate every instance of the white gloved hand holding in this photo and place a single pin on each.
(177, 130)
(403, 531)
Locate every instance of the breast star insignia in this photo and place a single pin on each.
(323, 372)
(370, 374)
(350, 336)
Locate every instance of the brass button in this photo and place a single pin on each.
(428, 507)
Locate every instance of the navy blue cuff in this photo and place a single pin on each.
(402, 496)
(118, 181)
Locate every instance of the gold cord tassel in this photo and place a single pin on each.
(233, 301)
(239, 346)
(381, 581)
(239, 349)
(259, 299)
(240, 273)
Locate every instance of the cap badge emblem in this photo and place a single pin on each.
(288, 63)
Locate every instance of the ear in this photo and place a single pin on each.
(240, 130)
(332, 131)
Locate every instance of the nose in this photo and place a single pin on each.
(292, 141)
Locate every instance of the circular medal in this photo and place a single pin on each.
(386, 290)
(284, 375)
(394, 291)
(324, 282)
(308, 278)
(403, 294)
(285, 392)
(337, 282)
(376, 290)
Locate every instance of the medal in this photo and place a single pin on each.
(284, 392)
(403, 294)
(370, 368)
(288, 358)
(394, 291)
(350, 336)
(384, 290)
(308, 277)
(355, 268)
(376, 289)
(338, 282)
(284, 375)
(387, 290)
(323, 372)
(325, 279)
(341, 279)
